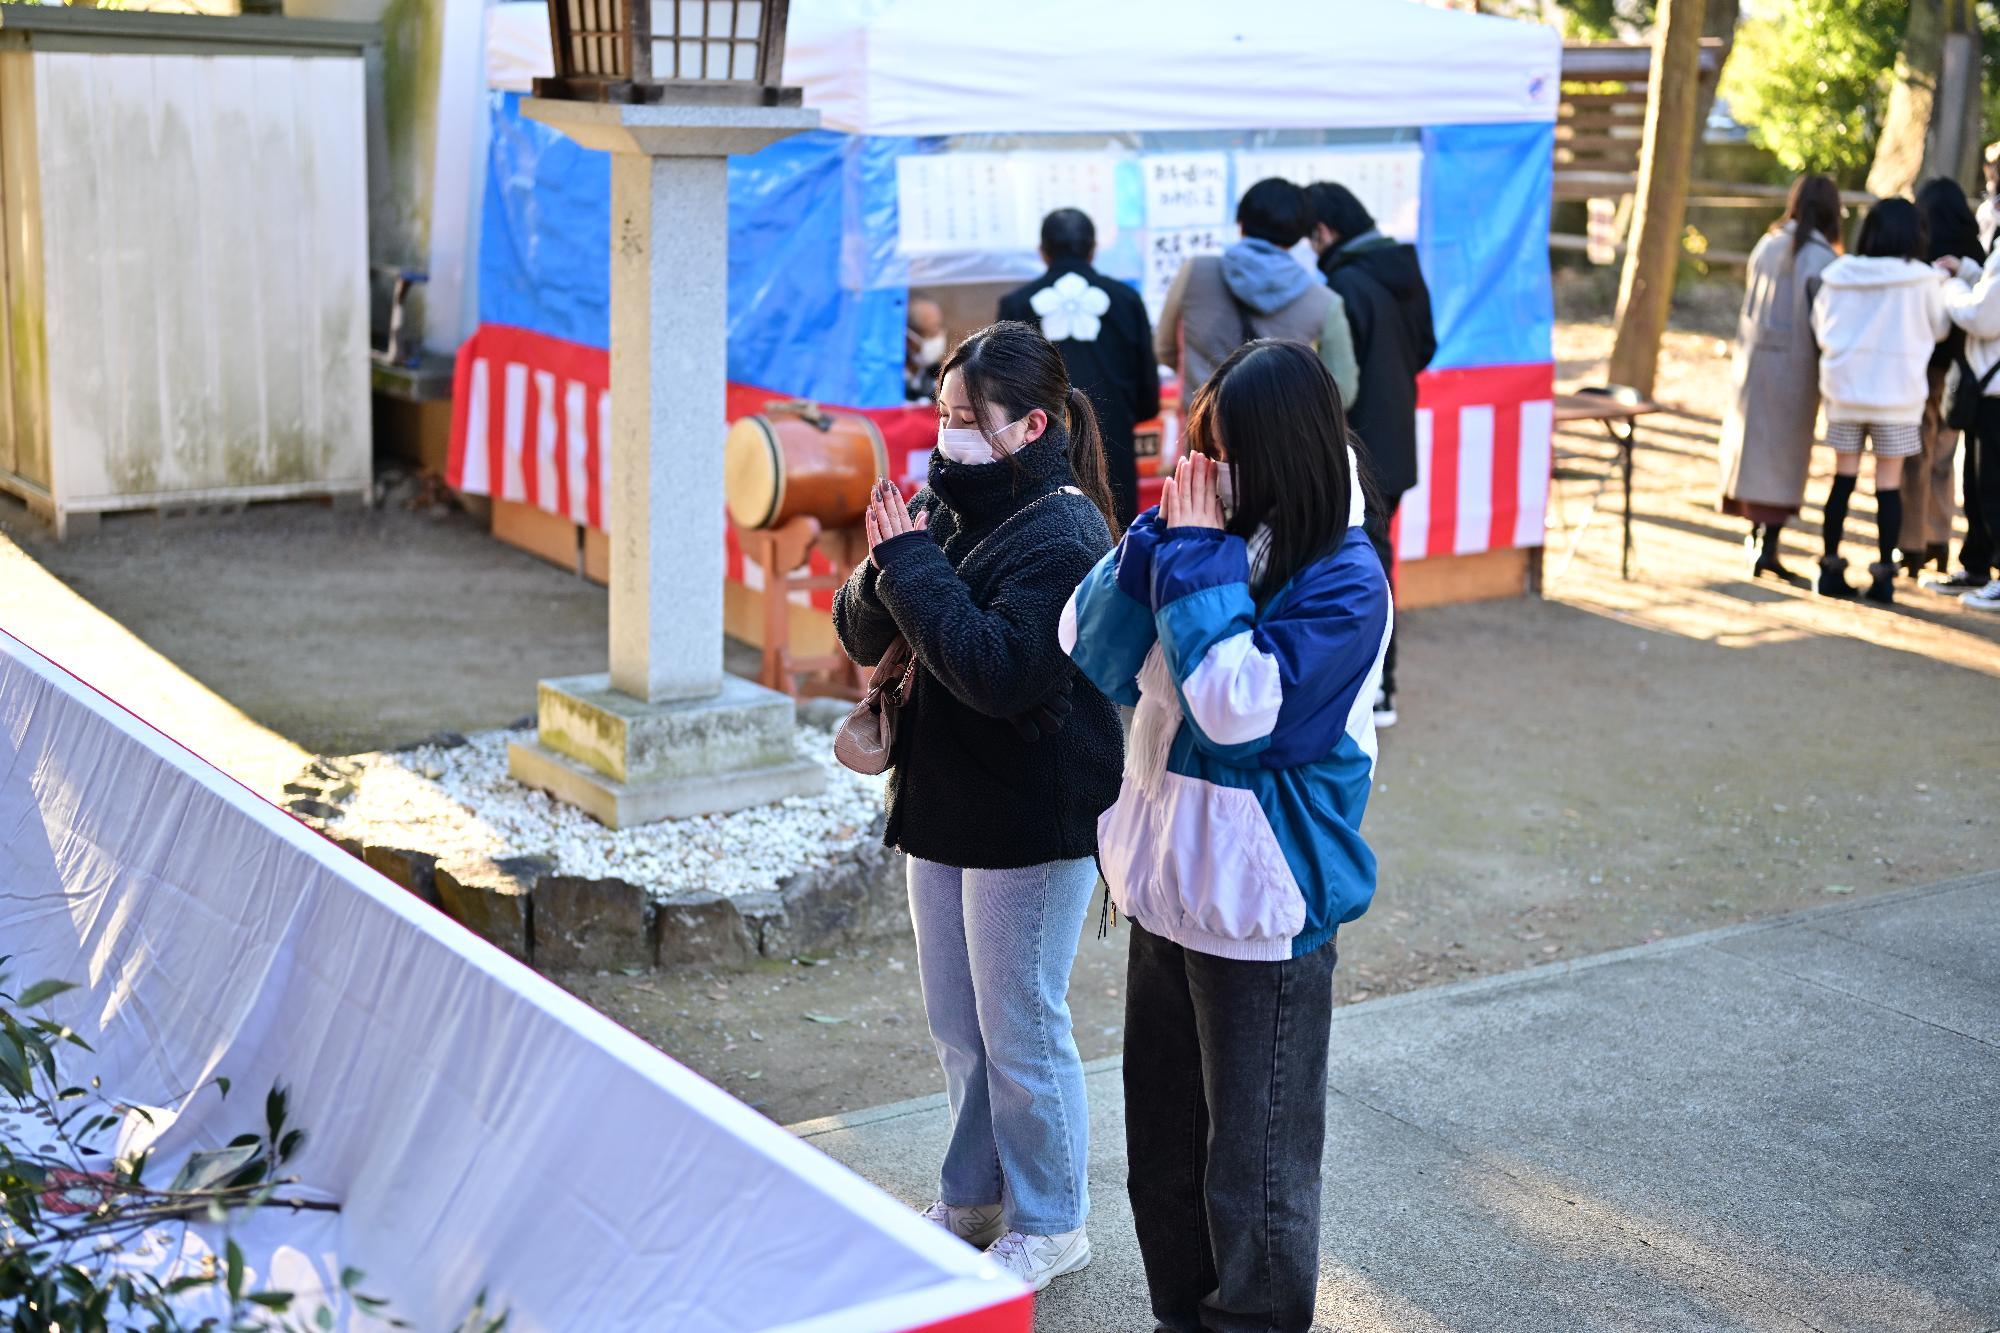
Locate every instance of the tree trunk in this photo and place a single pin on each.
(1666, 157)
(1933, 123)
(1718, 21)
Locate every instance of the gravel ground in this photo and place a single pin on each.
(457, 801)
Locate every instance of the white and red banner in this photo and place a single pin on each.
(1483, 457)
(530, 414)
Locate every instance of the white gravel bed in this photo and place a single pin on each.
(458, 802)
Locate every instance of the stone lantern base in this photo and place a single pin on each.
(624, 762)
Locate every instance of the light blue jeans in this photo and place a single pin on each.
(995, 949)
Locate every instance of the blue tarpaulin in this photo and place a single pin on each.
(818, 295)
(803, 319)
(1484, 242)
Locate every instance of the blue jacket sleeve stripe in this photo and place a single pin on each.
(1191, 630)
(1106, 633)
(1191, 560)
(1327, 636)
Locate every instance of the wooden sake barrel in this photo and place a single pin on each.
(794, 459)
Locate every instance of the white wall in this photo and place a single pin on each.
(205, 252)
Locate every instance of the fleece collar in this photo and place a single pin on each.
(981, 493)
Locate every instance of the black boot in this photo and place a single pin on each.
(1764, 561)
(1883, 587)
(1833, 577)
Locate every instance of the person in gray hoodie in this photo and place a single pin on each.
(1256, 289)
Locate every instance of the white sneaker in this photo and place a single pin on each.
(1040, 1260)
(977, 1227)
(1986, 599)
(1385, 709)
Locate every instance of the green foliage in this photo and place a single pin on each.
(1606, 20)
(1810, 81)
(67, 1219)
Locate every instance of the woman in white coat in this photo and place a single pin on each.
(1879, 314)
(1974, 302)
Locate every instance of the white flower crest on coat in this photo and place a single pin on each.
(1071, 308)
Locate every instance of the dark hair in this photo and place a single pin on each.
(1335, 206)
(1011, 365)
(1068, 233)
(1272, 406)
(1275, 210)
(1813, 209)
(1893, 229)
(1954, 231)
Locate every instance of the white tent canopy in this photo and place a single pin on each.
(928, 67)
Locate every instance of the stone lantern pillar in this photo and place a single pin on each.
(666, 733)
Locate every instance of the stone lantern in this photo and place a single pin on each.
(730, 52)
(671, 89)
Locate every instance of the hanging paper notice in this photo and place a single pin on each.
(1387, 179)
(959, 203)
(1169, 248)
(1186, 189)
(1044, 182)
(952, 202)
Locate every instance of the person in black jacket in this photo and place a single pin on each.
(1099, 325)
(1003, 760)
(1389, 309)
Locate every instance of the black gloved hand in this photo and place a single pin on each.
(1048, 717)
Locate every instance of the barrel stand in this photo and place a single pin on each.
(783, 553)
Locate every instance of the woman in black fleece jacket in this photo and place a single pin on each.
(1004, 759)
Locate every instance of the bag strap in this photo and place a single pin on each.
(1242, 314)
(1987, 378)
(893, 672)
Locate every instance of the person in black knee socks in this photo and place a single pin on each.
(1879, 314)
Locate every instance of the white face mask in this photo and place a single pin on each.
(1225, 488)
(930, 351)
(963, 444)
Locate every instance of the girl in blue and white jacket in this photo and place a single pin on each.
(1246, 619)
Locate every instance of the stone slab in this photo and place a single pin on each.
(414, 870)
(1700, 1134)
(490, 898)
(590, 924)
(623, 805)
(850, 902)
(628, 740)
(701, 929)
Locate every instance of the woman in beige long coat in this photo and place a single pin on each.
(1767, 435)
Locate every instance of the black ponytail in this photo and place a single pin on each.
(1086, 457)
(1013, 365)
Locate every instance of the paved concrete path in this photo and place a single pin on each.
(1787, 1125)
